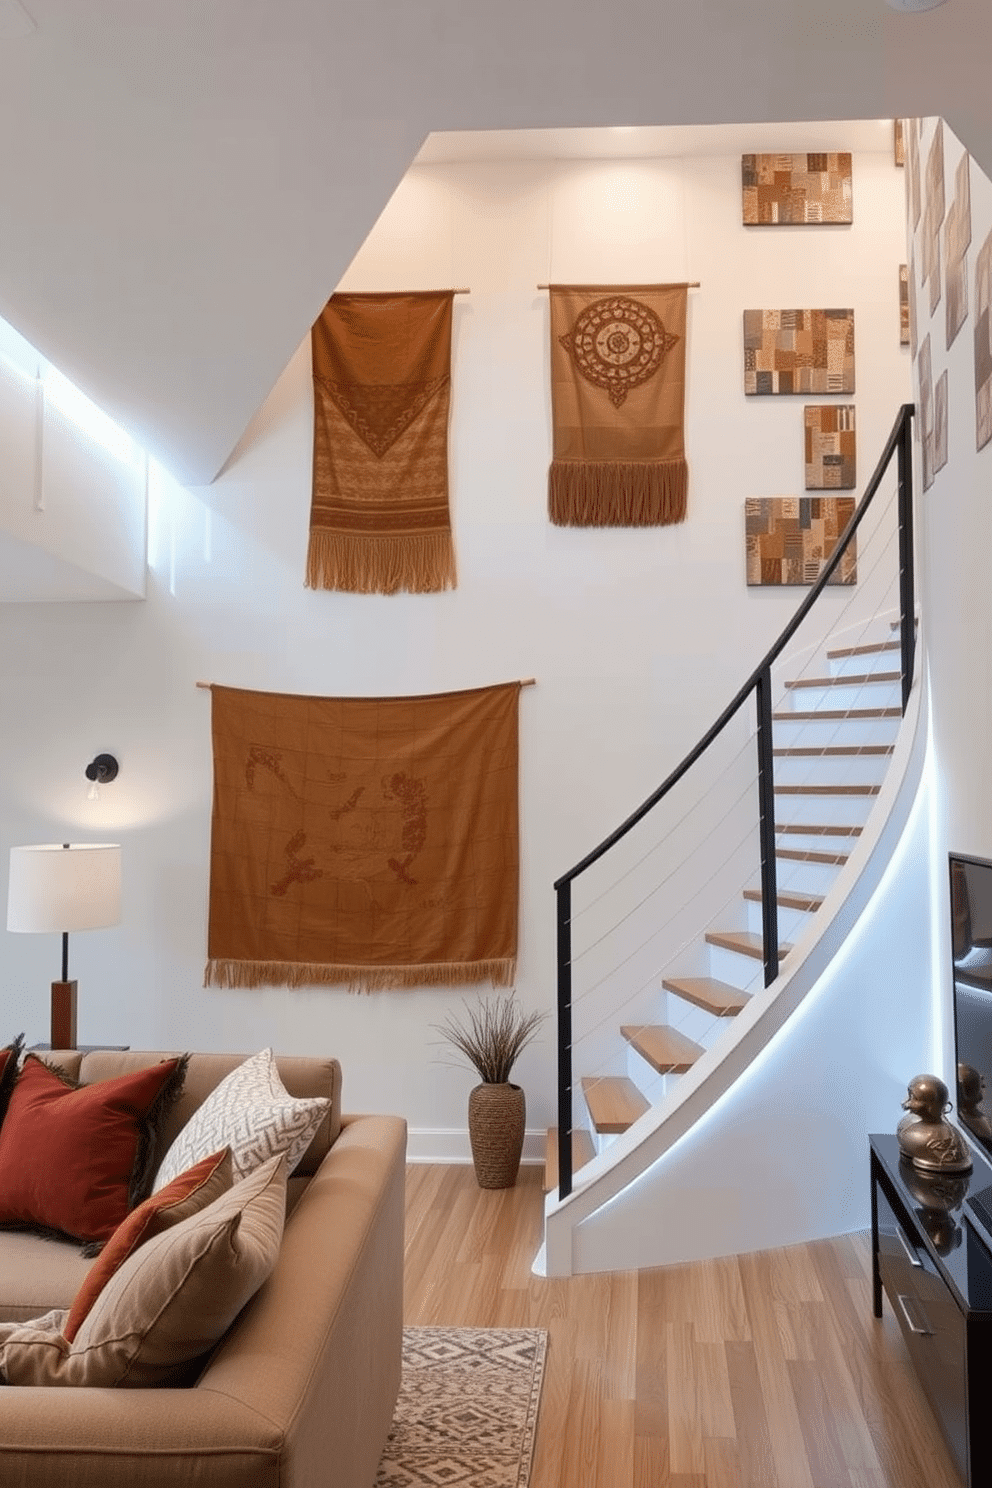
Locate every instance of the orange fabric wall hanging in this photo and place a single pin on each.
(617, 400)
(367, 842)
(379, 519)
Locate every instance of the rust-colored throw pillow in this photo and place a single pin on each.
(8, 1071)
(185, 1195)
(76, 1158)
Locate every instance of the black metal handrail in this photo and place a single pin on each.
(759, 683)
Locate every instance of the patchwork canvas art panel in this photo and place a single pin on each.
(933, 215)
(940, 422)
(957, 241)
(790, 538)
(913, 166)
(796, 189)
(983, 345)
(924, 373)
(798, 351)
(830, 447)
(904, 304)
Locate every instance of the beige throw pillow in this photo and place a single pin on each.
(169, 1303)
(253, 1113)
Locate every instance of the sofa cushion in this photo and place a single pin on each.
(252, 1112)
(185, 1195)
(76, 1158)
(169, 1302)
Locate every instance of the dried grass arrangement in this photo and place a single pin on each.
(492, 1035)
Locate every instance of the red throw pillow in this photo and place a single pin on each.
(77, 1158)
(8, 1071)
(185, 1195)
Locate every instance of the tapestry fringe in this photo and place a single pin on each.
(366, 563)
(621, 493)
(220, 972)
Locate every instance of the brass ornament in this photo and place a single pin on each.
(932, 1144)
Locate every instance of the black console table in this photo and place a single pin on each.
(931, 1255)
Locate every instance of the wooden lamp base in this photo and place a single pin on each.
(64, 1015)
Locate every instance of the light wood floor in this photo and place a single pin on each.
(766, 1370)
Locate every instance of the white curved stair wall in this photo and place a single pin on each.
(762, 1143)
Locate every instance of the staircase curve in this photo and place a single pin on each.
(835, 763)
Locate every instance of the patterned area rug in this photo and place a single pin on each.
(467, 1410)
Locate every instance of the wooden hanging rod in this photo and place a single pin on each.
(690, 284)
(524, 682)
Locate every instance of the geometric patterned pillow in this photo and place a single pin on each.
(253, 1113)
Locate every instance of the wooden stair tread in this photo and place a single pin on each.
(804, 715)
(832, 751)
(582, 1152)
(808, 829)
(797, 855)
(746, 942)
(715, 996)
(827, 790)
(664, 1048)
(614, 1102)
(871, 650)
(855, 680)
(808, 903)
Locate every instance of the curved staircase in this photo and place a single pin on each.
(835, 738)
(839, 758)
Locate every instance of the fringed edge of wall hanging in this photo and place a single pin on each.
(222, 972)
(617, 493)
(420, 563)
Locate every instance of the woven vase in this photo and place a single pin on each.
(496, 1115)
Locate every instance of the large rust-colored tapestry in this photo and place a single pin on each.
(798, 351)
(793, 189)
(617, 402)
(379, 518)
(790, 538)
(366, 842)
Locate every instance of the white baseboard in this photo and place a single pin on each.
(443, 1144)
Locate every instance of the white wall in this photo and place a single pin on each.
(637, 638)
(956, 525)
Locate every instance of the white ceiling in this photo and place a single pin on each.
(183, 185)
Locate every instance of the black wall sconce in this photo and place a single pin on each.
(101, 771)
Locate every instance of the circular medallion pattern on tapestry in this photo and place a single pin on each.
(618, 343)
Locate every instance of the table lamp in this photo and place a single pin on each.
(62, 887)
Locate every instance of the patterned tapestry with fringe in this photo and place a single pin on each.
(379, 519)
(364, 842)
(617, 399)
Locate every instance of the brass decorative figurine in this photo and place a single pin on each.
(932, 1144)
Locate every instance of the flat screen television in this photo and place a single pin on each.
(971, 953)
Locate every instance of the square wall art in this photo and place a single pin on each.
(789, 538)
(983, 345)
(779, 190)
(798, 351)
(904, 304)
(830, 447)
(957, 241)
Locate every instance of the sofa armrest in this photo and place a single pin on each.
(318, 1352)
(96, 1438)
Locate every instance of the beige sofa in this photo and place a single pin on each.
(301, 1390)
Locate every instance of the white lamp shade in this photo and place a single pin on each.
(64, 888)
